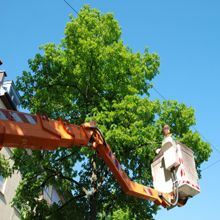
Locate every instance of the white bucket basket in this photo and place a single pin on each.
(175, 155)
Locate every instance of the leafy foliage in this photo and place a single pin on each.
(91, 74)
(5, 168)
(90, 67)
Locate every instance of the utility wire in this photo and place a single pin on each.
(207, 140)
(159, 93)
(71, 7)
(217, 150)
(163, 97)
(211, 165)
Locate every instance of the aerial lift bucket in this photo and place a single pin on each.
(174, 171)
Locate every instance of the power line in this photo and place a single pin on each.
(71, 7)
(211, 165)
(206, 140)
(163, 97)
(159, 94)
(213, 147)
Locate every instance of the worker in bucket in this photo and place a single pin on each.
(166, 131)
(166, 134)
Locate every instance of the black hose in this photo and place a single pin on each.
(175, 190)
(100, 132)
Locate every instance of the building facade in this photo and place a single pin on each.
(9, 99)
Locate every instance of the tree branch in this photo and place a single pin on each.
(60, 175)
(65, 157)
(67, 203)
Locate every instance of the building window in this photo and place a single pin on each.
(50, 195)
(2, 184)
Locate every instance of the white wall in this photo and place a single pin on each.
(6, 195)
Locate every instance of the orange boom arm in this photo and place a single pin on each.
(36, 132)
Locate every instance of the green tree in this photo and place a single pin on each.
(91, 74)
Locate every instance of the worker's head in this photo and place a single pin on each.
(166, 130)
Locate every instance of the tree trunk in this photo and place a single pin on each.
(93, 197)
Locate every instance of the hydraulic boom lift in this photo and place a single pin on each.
(37, 132)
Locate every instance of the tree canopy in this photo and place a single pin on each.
(91, 74)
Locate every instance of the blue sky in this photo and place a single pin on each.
(186, 35)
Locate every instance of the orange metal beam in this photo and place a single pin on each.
(22, 130)
(128, 186)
